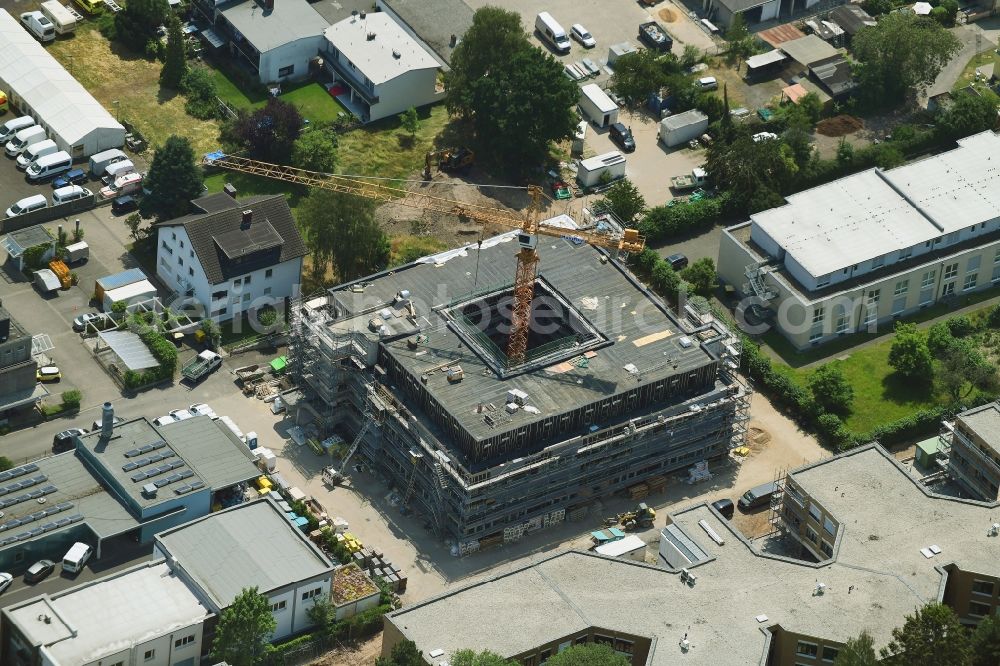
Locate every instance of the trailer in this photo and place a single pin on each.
(61, 17)
(248, 373)
(680, 128)
(200, 366)
(116, 280)
(46, 281)
(77, 252)
(654, 36)
(597, 106)
(697, 178)
(592, 171)
(132, 293)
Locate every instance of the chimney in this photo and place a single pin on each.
(107, 420)
(230, 189)
(247, 218)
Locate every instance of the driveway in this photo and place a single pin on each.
(973, 41)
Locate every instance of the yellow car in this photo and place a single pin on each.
(3, 103)
(91, 6)
(48, 373)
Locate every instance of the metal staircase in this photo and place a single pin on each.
(755, 284)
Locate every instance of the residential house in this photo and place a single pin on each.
(232, 256)
(973, 447)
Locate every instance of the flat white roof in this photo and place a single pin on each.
(866, 215)
(598, 161)
(621, 547)
(593, 92)
(135, 606)
(391, 53)
(765, 59)
(132, 290)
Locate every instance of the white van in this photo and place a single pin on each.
(70, 193)
(76, 557)
(552, 33)
(39, 25)
(117, 169)
(100, 161)
(708, 83)
(130, 182)
(34, 151)
(23, 139)
(50, 166)
(28, 204)
(13, 126)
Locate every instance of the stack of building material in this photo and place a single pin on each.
(577, 513)
(638, 491)
(656, 483)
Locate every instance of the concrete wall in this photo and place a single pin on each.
(47, 214)
(416, 89)
(295, 54)
(815, 527)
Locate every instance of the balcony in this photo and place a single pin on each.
(351, 78)
(971, 452)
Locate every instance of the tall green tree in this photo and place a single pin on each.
(624, 201)
(515, 108)
(174, 179)
(341, 229)
(702, 276)
(410, 122)
(746, 168)
(831, 390)
(315, 150)
(932, 636)
(484, 658)
(964, 368)
(900, 56)
(404, 653)
(269, 133)
(244, 630)
(858, 651)
(138, 21)
(986, 642)
(640, 73)
(969, 114)
(909, 355)
(199, 87)
(175, 65)
(590, 654)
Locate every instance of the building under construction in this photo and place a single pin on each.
(614, 393)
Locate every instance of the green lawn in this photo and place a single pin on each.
(968, 75)
(309, 97)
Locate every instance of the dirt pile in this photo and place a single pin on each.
(841, 125)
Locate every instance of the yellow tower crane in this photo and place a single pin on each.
(530, 228)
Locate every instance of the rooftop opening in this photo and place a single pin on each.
(557, 331)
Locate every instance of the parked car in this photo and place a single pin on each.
(124, 204)
(71, 177)
(70, 193)
(81, 321)
(39, 25)
(202, 409)
(724, 507)
(677, 262)
(63, 441)
(27, 205)
(583, 36)
(181, 414)
(39, 571)
(759, 496)
(48, 373)
(708, 83)
(5, 580)
(164, 420)
(622, 136)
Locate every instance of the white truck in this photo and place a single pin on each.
(250, 439)
(597, 106)
(696, 178)
(61, 18)
(200, 366)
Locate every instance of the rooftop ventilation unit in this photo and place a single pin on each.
(149, 490)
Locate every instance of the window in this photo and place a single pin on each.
(970, 282)
(286, 71)
(878, 262)
(173, 235)
(950, 271)
(815, 334)
(822, 281)
(982, 587)
(842, 323)
(149, 655)
(830, 654)
(901, 288)
(312, 593)
(818, 315)
(829, 527)
(949, 289)
(905, 253)
(953, 237)
(873, 296)
(246, 298)
(268, 273)
(246, 280)
(237, 282)
(280, 606)
(973, 263)
(996, 274)
(191, 253)
(807, 649)
(181, 642)
(811, 534)
(180, 261)
(191, 271)
(996, 257)
(182, 244)
(976, 608)
(927, 279)
(898, 305)
(814, 511)
(216, 295)
(166, 247)
(826, 548)
(267, 291)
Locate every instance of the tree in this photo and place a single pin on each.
(404, 653)
(624, 201)
(969, 114)
(963, 364)
(410, 122)
(985, 642)
(270, 132)
(173, 180)
(690, 57)
(939, 339)
(858, 651)
(315, 150)
(747, 167)
(701, 274)
(932, 636)
(135, 230)
(517, 108)
(831, 390)
(244, 630)
(175, 65)
(901, 55)
(322, 613)
(741, 42)
(341, 228)
(845, 153)
(590, 654)
(484, 658)
(877, 7)
(642, 72)
(138, 21)
(199, 87)
(909, 355)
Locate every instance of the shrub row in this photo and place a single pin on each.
(663, 222)
(162, 350)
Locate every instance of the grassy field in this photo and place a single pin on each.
(310, 97)
(129, 87)
(969, 74)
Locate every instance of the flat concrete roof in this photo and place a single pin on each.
(248, 545)
(212, 451)
(985, 422)
(877, 576)
(391, 53)
(100, 618)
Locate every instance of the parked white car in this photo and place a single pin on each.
(583, 36)
(201, 409)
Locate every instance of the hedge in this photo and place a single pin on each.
(162, 350)
(662, 222)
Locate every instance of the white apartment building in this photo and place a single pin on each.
(872, 247)
(234, 256)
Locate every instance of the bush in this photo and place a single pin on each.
(662, 222)
(71, 399)
(199, 86)
(5, 463)
(993, 319)
(162, 350)
(960, 326)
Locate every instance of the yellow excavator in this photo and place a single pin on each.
(640, 517)
(448, 159)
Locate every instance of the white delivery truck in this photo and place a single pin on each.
(61, 18)
(597, 106)
(100, 161)
(77, 252)
(77, 556)
(552, 33)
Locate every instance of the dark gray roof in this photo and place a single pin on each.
(287, 22)
(835, 74)
(248, 545)
(225, 249)
(851, 18)
(212, 450)
(434, 21)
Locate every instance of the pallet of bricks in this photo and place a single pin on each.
(372, 561)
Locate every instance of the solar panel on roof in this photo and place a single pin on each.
(176, 464)
(159, 444)
(36, 531)
(41, 478)
(4, 491)
(159, 483)
(48, 527)
(180, 490)
(129, 466)
(38, 515)
(63, 506)
(195, 485)
(4, 476)
(26, 519)
(17, 471)
(138, 476)
(146, 448)
(174, 478)
(49, 489)
(142, 461)
(132, 453)
(185, 474)
(30, 467)
(63, 522)
(22, 536)
(35, 494)
(168, 454)
(7, 541)
(75, 518)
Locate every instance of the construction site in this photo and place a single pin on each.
(613, 392)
